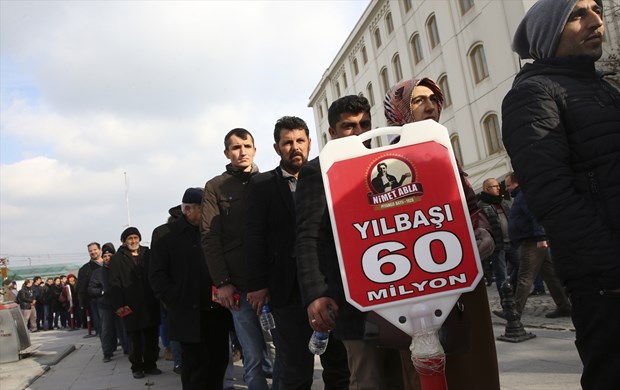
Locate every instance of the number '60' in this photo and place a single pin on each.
(372, 264)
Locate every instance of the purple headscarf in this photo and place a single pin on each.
(397, 102)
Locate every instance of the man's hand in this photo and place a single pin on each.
(258, 298)
(542, 244)
(226, 295)
(322, 314)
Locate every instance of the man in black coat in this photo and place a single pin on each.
(270, 227)
(133, 300)
(561, 128)
(320, 280)
(84, 274)
(181, 281)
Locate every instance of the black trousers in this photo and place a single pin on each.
(143, 348)
(297, 362)
(596, 316)
(204, 363)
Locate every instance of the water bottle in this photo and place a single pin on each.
(266, 318)
(318, 342)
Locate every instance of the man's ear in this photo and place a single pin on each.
(226, 154)
(276, 147)
(332, 133)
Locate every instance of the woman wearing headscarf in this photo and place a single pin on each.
(474, 367)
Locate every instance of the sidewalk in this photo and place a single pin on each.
(67, 360)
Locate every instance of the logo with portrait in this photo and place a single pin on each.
(392, 182)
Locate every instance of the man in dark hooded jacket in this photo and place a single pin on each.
(561, 128)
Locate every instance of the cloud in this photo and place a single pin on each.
(93, 90)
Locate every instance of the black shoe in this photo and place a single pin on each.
(177, 370)
(500, 313)
(153, 371)
(138, 374)
(538, 292)
(559, 312)
(107, 359)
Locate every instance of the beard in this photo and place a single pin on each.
(293, 166)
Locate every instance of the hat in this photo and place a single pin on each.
(71, 276)
(128, 232)
(193, 195)
(538, 34)
(108, 247)
(7, 282)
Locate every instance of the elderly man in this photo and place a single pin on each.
(561, 124)
(497, 211)
(133, 300)
(181, 281)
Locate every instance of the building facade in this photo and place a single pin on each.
(464, 45)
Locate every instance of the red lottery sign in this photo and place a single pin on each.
(400, 221)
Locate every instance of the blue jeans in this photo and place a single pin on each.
(507, 255)
(94, 316)
(250, 337)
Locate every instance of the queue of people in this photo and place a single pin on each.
(250, 244)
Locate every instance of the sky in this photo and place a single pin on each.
(100, 99)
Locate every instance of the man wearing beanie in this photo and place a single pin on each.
(561, 128)
(84, 274)
(181, 281)
(133, 300)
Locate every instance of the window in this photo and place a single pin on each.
(338, 89)
(479, 63)
(371, 94)
(433, 33)
(398, 71)
(324, 138)
(456, 147)
(389, 24)
(443, 85)
(356, 68)
(377, 37)
(492, 133)
(385, 80)
(320, 111)
(364, 55)
(407, 4)
(416, 48)
(344, 80)
(326, 105)
(466, 5)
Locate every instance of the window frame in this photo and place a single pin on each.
(416, 47)
(397, 68)
(492, 137)
(477, 59)
(433, 31)
(371, 94)
(444, 85)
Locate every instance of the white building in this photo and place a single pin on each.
(463, 44)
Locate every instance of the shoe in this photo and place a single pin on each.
(138, 374)
(153, 371)
(168, 354)
(500, 313)
(538, 292)
(559, 312)
(107, 359)
(177, 370)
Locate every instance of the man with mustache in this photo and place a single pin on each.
(270, 231)
(561, 128)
